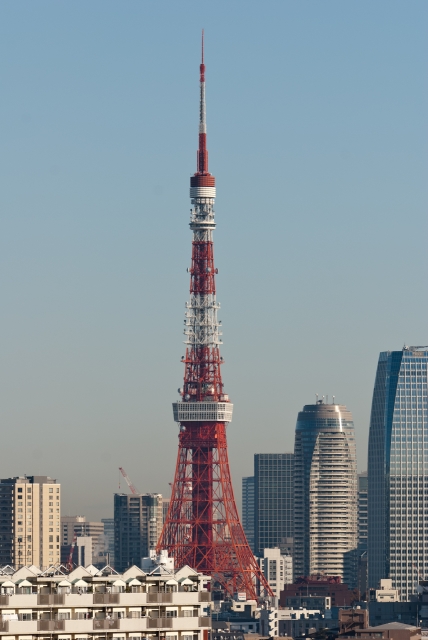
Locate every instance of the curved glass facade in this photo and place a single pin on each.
(325, 490)
(398, 471)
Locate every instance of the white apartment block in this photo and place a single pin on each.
(92, 604)
(30, 509)
(277, 569)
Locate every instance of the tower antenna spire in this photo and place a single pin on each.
(202, 46)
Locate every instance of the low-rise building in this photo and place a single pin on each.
(322, 603)
(320, 585)
(385, 593)
(381, 613)
(390, 631)
(277, 569)
(293, 622)
(94, 604)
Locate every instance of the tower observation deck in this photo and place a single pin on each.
(202, 527)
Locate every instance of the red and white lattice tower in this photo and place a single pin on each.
(202, 528)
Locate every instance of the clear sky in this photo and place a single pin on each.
(317, 133)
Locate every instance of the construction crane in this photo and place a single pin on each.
(70, 557)
(128, 481)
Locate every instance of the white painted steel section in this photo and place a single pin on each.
(202, 328)
(202, 411)
(202, 192)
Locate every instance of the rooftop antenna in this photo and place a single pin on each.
(316, 396)
(333, 399)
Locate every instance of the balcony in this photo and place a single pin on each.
(159, 623)
(162, 598)
(107, 598)
(204, 596)
(106, 623)
(47, 599)
(50, 625)
(19, 600)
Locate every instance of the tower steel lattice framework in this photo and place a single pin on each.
(202, 527)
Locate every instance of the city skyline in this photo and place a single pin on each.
(329, 150)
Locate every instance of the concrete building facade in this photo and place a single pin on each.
(277, 569)
(30, 509)
(138, 521)
(109, 539)
(71, 525)
(325, 492)
(93, 605)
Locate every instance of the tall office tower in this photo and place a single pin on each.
(248, 509)
(398, 471)
(362, 511)
(138, 522)
(71, 525)
(202, 528)
(29, 521)
(362, 534)
(165, 507)
(273, 501)
(325, 472)
(109, 536)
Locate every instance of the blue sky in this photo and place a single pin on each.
(317, 133)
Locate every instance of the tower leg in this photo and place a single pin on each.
(202, 528)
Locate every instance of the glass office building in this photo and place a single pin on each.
(398, 471)
(325, 492)
(273, 501)
(248, 509)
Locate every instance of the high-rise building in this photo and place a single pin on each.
(248, 509)
(30, 521)
(109, 536)
(165, 507)
(398, 471)
(362, 534)
(325, 473)
(273, 500)
(362, 511)
(71, 525)
(138, 522)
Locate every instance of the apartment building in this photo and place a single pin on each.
(30, 509)
(138, 520)
(71, 525)
(93, 605)
(277, 569)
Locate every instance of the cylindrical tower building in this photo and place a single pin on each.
(325, 491)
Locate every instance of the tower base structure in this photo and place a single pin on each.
(202, 528)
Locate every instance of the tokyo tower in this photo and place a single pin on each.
(202, 527)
